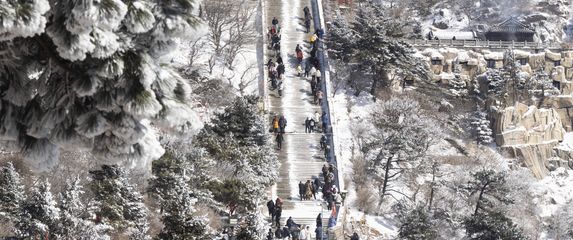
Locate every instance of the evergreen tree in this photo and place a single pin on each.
(482, 126)
(39, 216)
(11, 193)
(492, 225)
(489, 186)
(237, 140)
(183, 159)
(496, 84)
(117, 203)
(458, 87)
(541, 84)
(179, 217)
(400, 137)
(89, 74)
(72, 222)
(372, 43)
(417, 224)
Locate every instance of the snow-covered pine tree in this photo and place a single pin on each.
(489, 186)
(73, 224)
(400, 136)
(374, 46)
(11, 194)
(88, 74)
(179, 216)
(483, 129)
(496, 83)
(458, 87)
(182, 159)
(417, 224)
(492, 225)
(39, 216)
(541, 85)
(117, 203)
(240, 145)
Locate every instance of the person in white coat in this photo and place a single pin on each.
(305, 234)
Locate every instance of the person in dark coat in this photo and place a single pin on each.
(324, 122)
(307, 125)
(318, 232)
(323, 141)
(286, 232)
(355, 237)
(290, 223)
(301, 190)
(278, 212)
(307, 68)
(280, 140)
(280, 69)
(307, 24)
(275, 21)
(270, 234)
(306, 11)
(317, 184)
(271, 208)
(282, 123)
(279, 60)
(324, 170)
(319, 220)
(279, 233)
(312, 124)
(313, 86)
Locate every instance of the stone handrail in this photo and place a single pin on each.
(483, 44)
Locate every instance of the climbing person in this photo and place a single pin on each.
(322, 141)
(275, 124)
(282, 123)
(307, 68)
(290, 222)
(275, 22)
(326, 151)
(295, 232)
(324, 120)
(319, 220)
(313, 38)
(306, 11)
(279, 233)
(270, 234)
(280, 88)
(297, 48)
(355, 236)
(299, 70)
(311, 124)
(317, 76)
(310, 185)
(280, 140)
(280, 69)
(312, 72)
(278, 212)
(286, 232)
(307, 125)
(308, 189)
(307, 25)
(299, 56)
(301, 190)
(271, 208)
(313, 86)
(319, 96)
(279, 60)
(316, 184)
(324, 170)
(319, 32)
(304, 233)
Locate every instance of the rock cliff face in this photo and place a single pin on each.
(530, 134)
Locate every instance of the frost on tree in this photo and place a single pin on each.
(74, 219)
(11, 193)
(39, 214)
(483, 129)
(240, 145)
(400, 137)
(85, 75)
(118, 203)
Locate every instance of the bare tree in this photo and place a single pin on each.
(217, 16)
(241, 32)
(339, 75)
(196, 48)
(247, 78)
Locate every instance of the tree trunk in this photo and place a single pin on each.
(432, 187)
(385, 184)
(480, 197)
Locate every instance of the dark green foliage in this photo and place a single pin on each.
(492, 226)
(490, 188)
(115, 200)
(417, 224)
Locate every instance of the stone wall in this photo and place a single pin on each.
(443, 62)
